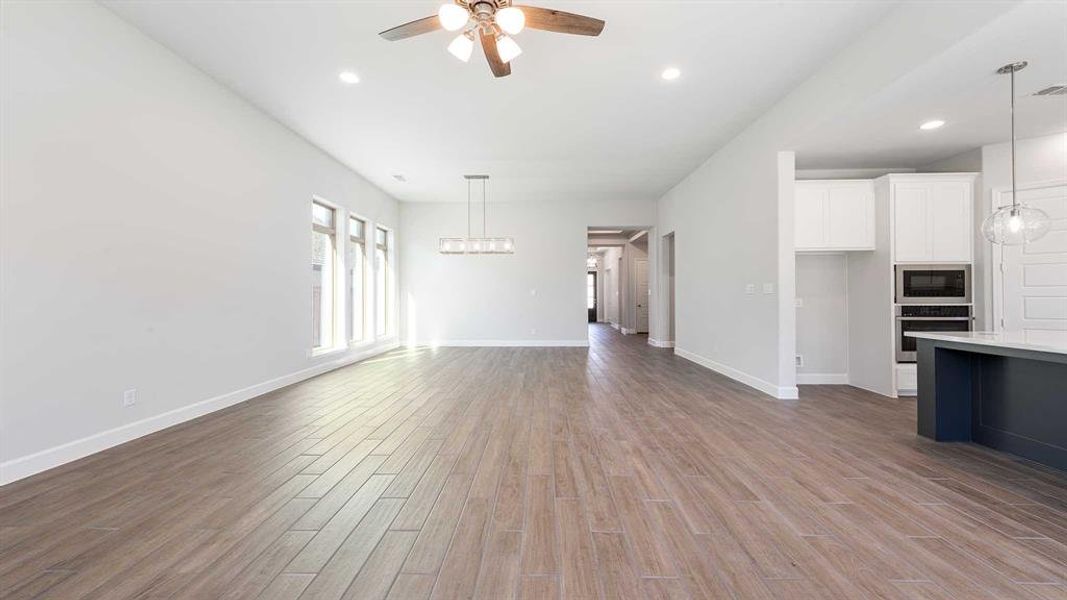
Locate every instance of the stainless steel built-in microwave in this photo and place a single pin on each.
(933, 284)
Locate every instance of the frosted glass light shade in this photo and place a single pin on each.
(510, 19)
(452, 16)
(462, 47)
(507, 48)
(498, 246)
(453, 246)
(1016, 225)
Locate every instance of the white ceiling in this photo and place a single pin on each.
(581, 118)
(962, 88)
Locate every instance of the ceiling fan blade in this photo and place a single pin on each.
(558, 21)
(412, 29)
(497, 66)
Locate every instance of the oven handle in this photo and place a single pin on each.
(935, 318)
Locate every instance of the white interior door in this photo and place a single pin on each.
(641, 275)
(1030, 282)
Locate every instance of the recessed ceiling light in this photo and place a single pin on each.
(400, 177)
(348, 77)
(932, 124)
(671, 73)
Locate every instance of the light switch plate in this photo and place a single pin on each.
(798, 302)
(768, 288)
(750, 288)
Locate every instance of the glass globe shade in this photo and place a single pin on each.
(507, 48)
(461, 47)
(1015, 225)
(510, 19)
(452, 16)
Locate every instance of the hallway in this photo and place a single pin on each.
(616, 471)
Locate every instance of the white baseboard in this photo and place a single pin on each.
(775, 391)
(872, 389)
(25, 466)
(615, 325)
(628, 331)
(660, 343)
(505, 343)
(822, 378)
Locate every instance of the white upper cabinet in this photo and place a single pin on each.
(834, 215)
(952, 223)
(933, 218)
(911, 215)
(809, 217)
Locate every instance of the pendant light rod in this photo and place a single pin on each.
(1014, 194)
(1010, 69)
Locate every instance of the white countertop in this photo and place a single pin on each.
(1014, 339)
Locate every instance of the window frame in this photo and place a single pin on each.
(389, 298)
(336, 335)
(357, 243)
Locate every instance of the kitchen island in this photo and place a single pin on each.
(996, 389)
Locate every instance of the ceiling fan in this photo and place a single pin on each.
(494, 22)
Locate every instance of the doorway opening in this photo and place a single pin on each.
(618, 278)
(591, 295)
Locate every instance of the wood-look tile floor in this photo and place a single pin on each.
(617, 471)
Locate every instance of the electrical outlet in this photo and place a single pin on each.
(768, 288)
(750, 288)
(533, 331)
(800, 360)
(129, 398)
(798, 302)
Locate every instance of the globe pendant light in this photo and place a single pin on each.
(1015, 224)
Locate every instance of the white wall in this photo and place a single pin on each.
(631, 253)
(728, 214)
(613, 278)
(822, 319)
(535, 296)
(155, 235)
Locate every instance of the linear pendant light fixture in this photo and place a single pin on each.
(1017, 223)
(477, 245)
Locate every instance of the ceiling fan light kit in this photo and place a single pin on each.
(494, 22)
(477, 245)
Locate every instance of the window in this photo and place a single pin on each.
(357, 279)
(590, 290)
(323, 267)
(383, 284)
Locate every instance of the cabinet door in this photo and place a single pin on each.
(950, 221)
(809, 217)
(850, 220)
(911, 222)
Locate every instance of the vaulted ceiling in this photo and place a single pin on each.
(590, 119)
(580, 119)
